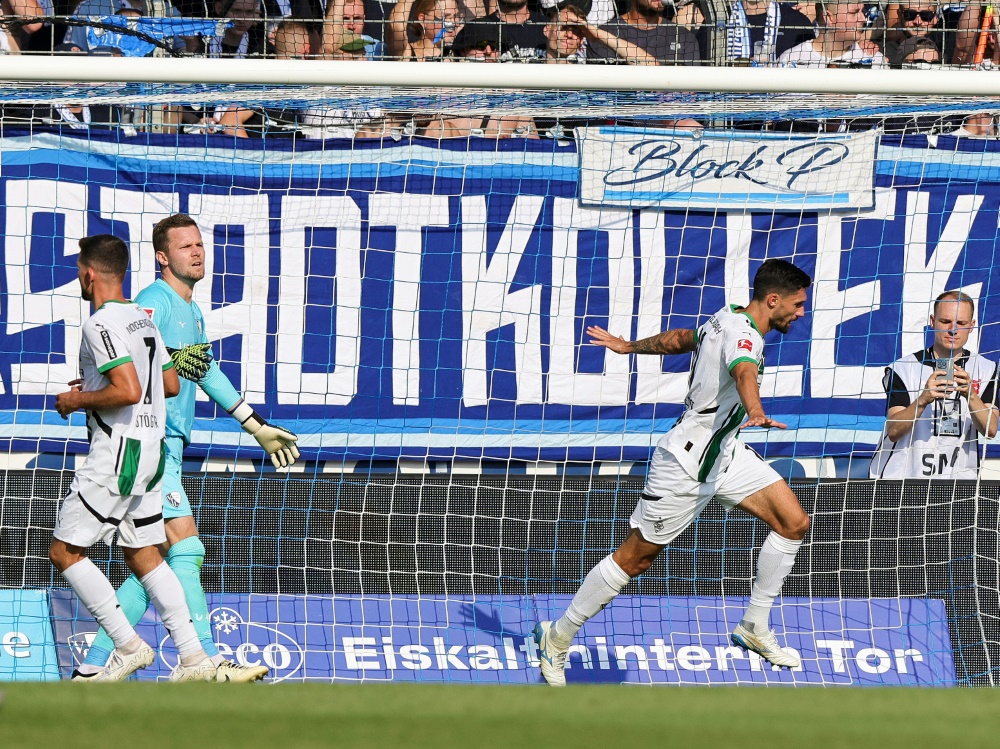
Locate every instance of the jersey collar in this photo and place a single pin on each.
(742, 311)
(114, 301)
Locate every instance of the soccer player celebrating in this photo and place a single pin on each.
(126, 374)
(702, 457)
(180, 254)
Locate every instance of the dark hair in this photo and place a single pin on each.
(779, 276)
(958, 296)
(162, 230)
(105, 253)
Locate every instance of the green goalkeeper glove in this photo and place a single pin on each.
(276, 441)
(192, 362)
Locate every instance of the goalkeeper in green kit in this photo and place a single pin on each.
(180, 254)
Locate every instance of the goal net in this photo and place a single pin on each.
(403, 277)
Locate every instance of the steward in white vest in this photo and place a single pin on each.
(939, 401)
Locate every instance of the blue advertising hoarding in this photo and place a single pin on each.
(427, 299)
(487, 639)
(27, 649)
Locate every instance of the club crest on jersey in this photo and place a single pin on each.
(745, 344)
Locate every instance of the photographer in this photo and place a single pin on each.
(939, 401)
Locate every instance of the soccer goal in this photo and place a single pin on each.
(401, 264)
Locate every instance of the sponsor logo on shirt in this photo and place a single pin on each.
(108, 346)
(745, 344)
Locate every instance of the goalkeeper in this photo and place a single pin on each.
(180, 254)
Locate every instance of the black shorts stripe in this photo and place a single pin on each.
(108, 521)
(143, 522)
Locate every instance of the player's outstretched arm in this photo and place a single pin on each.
(745, 375)
(667, 343)
(277, 442)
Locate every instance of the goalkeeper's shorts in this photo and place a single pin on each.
(671, 499)
(175, 499)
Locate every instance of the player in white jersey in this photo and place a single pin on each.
(701, 457)
(125, 375)
(940, 400)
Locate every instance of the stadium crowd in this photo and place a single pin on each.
(836, 33)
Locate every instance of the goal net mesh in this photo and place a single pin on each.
(412, 303)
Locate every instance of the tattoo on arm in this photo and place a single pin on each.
(666, 343)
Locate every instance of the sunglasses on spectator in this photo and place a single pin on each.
(483, 46)
(926, 16)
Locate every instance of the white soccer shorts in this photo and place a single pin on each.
(92, 513)
(671, 499)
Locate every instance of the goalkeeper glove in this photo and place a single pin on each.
(277, 442)
(192, 362)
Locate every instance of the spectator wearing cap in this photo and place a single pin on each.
(519, 30)
(479, 41)
(839, 41)
(915, 51)
(343, 32)
(422, 29)
(644, 26)
(567, 29)
(761, 30)
(911, 20)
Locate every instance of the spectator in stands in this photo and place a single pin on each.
(913, 20)
(763, 30)
(568, 27)
(644, 26)
(422, 30)
(479, 41)
(974, 44)
(292, 41)
(343, 32)
(916, 52)
(239, 40)
(839, 41)
(940, 400)
(519, 30)
(95, 10)
(13, 34)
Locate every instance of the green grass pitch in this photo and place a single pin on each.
(50, 716)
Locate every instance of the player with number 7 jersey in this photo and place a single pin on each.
(126, 443)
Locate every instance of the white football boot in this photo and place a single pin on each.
(551, 654)
(204, 670)
(122, 665)
(764, 644)
(230, 671)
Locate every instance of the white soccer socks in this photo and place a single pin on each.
(601, 585)
(775, 561)
(167, 595)
(97, 594)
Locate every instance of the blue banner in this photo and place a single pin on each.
(27, 649)
(428, 299)
(487, 639)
